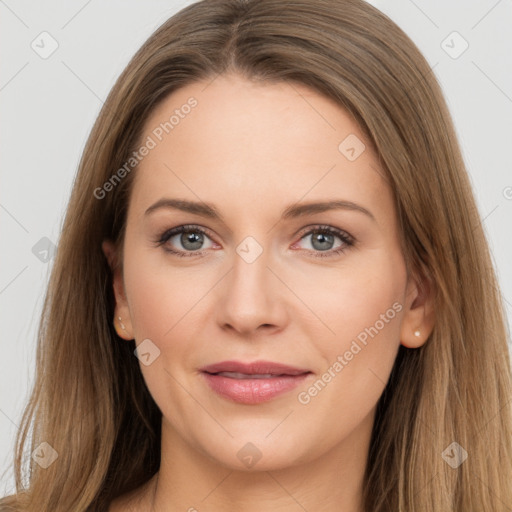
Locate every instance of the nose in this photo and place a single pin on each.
(251, 297)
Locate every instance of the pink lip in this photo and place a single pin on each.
(253, 391)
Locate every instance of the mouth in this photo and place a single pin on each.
(237, 375)
(252, 383)
(254, 368)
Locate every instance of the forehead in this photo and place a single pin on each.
(231, 139)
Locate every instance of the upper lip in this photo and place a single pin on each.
(253, 368)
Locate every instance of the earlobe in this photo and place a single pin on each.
(419, 317)
(120, 328)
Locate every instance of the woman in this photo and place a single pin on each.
(272, 290)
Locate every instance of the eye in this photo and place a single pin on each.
(323, 239)
(190, 238)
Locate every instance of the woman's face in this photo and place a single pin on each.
(260, 275)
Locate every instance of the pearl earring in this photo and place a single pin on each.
(121, 323)
(417, 333)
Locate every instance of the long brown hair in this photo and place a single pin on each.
(89, 400)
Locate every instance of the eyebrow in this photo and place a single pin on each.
(293, 211)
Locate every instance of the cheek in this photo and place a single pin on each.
(163, 302)
(151, 304)
(161, 295)
(363, 309)
(360, 296)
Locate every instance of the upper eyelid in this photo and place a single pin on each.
(187, 227)
(325, 227)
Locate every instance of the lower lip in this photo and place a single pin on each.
(253, 391)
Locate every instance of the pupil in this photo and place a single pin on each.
(322, 238)
(191, 238)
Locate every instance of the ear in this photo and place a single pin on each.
(124, 326)
(419, 313)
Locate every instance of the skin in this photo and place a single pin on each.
(251, 150)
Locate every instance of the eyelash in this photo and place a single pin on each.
(347, 239)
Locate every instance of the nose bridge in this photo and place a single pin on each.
(250, 275)
(250, 295)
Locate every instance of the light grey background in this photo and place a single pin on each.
(49, 106)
